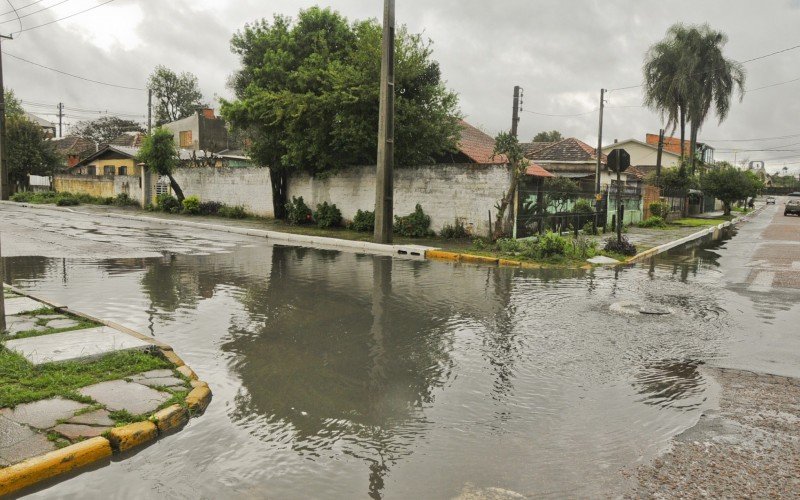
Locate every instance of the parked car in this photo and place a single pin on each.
(792, 207)
(770, 200)
(795, 194)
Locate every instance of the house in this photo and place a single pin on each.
(644, 155)
(73, 149)
(128, 140)
(673, 145)
(203, 131)
(110, 160)
(49, 128)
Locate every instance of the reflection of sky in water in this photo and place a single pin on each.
(342, 375)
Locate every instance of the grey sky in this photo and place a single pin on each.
(560, 52)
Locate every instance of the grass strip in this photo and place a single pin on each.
(83, 323)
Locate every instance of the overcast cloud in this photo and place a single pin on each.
(560, 52)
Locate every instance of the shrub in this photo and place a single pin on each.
(123, 200)
(67, 201)
(191, 205)
(328, 215)
(583, 207)
(589, 228)
(581, 248)
(209, 207)
(364, 221)
(551, 244)
(623, 247)
(660, 209)
(22, 196)
(509, 245)
(414, 225)
(297, 212)
(455, 232)
(168, 203)
(653, 221)
(232, 212)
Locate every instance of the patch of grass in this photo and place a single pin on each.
(58, 439)
(60, 198)
(695, 222)
(46, 311)
(124, 417)
(21, 382)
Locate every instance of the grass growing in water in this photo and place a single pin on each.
(21, 382)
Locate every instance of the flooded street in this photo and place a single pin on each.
(341, 375)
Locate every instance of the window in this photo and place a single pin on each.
(91, 170)
(122, 170)
(186, 138)
(108, 170)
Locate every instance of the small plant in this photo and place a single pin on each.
(551, 244)
(209, 207)
(67, 201)
(455, 232)
(297, 212)
(364, 221)
(624, 246)
(660, 209)
(191, 205)
(653, 221)
(232, 212)
(509, 246)
(327, 215)
(123, 200)
(581, 248)
(589, 228)
(22, 196)
(414, 225)
(168, 203)
(583, 207)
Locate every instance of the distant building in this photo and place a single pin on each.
(643, 155)
(109, 161)
(673, 145)
(73, 149)
(203, 131)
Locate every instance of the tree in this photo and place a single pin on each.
(729, 184)
(158, 152)
(13, 105)
(558, 191)
(105, 129)
(307, 96)
(674, 180)
(29, 153)
(177, 96)
(506, 145)
(544, 136)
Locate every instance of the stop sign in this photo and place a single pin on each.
(619, 160)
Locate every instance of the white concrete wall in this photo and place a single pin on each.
(446, 192)
(130, 185)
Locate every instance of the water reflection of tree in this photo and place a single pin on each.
(169, 285)
(27, 268)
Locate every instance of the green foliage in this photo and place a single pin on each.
(414, 225)
(297, 212)
(581, 248)
(13, 105)
(191, 205)
(552, 136)
(583, 207)
(158, 152)
(364, 221)
(660, 209)
(308, 89)
(730, 184)
(328, 215)
(456, 231)
(28, 151)
(61, 198)
(210, 207)
(623, 247)
(105, 129)
(168, 203)
(589, 228)
(654, 221)
(232, 212)
(67, 201)
(558, 192)
(551, 243)
(550, 247)
(123, 200)
(675, 179)
(176, 96)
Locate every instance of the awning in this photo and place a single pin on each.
(537, 171)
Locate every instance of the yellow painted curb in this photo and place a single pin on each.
(187, 372)
(442, 255)
(509, 263)
(530, 265)
(198, 383)
(172, 357)
(132, 435)
(170, 418)
(478, 259)
(198, 399)
(52, 464)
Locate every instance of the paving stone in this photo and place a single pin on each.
(74, 345)
(602, 259)
(154, 374)
(62, 323)
(121, 395)
(16, 324)
(97, 417)
(52, 316)
(18, 443)
(77, 431)
(43, 414)
(20, 305)
(170, 382)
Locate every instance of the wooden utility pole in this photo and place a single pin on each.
(149, 111)
(658, 156)
(512, 210)
(599, 144)
(515, 111)
(384, 180)
(5, 187)
(60, 118)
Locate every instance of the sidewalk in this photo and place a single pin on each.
(67, 379)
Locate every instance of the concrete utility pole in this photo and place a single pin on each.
(384, 178)
(149, 111)
(658, 155)
(599, 143)
(60, 118)
(512, 210)
(515, 111)
(5, 187)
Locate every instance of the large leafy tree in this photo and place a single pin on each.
(177, 96)
(29, 152)
(13, 105)
(159, 154)
(307, 96)
(729, 184)
(545, 136)
(105, 129)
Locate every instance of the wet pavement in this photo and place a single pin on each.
(340, 375)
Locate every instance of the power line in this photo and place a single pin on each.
(772, 85)
(32, 13)
(756, 139)
(19, 19)
(20, 8)
(559, 115)
(65, 17)
(80, 110)
(72, 75)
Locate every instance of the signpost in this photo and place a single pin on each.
(619, 160)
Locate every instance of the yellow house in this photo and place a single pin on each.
(109, 161)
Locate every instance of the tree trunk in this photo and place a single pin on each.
(683, 130)
(500, 224)
(726, 207)
(279, 181)
(693, 146)
(176, 188)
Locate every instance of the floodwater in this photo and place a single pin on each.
(338, 375)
